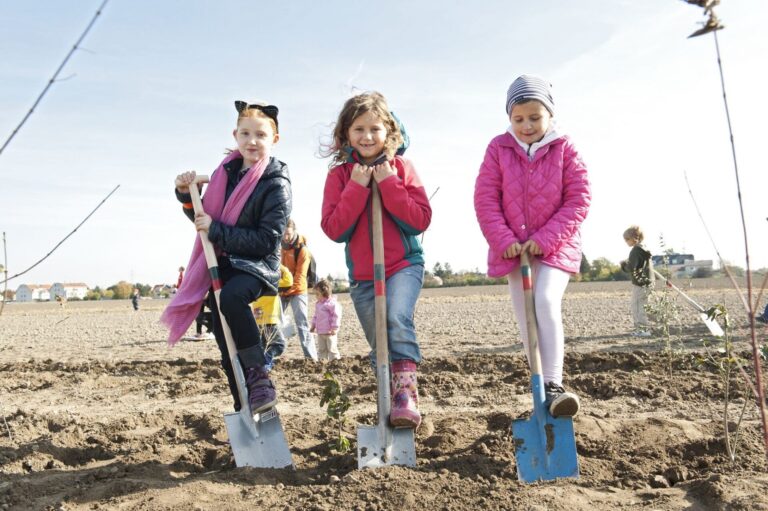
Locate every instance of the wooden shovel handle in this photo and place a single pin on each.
(534, 356)
(197, 204)
(213, 268)
(380, 304)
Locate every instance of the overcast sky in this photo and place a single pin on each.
(151, 95)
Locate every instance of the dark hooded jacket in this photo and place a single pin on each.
(638, 266)
(252, 245)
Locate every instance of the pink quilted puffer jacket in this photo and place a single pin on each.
(546, 200)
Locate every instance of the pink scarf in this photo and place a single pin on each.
(186, 303)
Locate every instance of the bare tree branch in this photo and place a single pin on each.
(753, 339)
(65, 238)
(53, 78)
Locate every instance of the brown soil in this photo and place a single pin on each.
(99, 414)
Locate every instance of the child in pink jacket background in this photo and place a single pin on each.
(326, 322)
(532, 194)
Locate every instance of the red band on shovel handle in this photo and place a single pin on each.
(379, 281)
(526, 274)
(215, 279)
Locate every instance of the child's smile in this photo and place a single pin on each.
(367, 136)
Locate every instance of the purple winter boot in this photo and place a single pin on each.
(405, 395)
(261, 391)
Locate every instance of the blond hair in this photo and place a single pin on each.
(634, 232)
(354, 107)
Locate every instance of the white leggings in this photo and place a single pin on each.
(548, 287)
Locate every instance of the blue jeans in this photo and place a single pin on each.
(275, 344)
(299, 308)
(403, 290)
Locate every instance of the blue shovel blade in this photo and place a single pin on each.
(545, 451)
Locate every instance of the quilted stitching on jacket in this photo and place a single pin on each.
(546, 200)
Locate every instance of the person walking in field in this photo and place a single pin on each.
(135, 298)
(532, 194)
(296, 257)
(638, 265)
(326, 321)
(368, 143)
(247, 204)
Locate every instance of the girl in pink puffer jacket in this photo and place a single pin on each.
(326, 322)
(532, 194)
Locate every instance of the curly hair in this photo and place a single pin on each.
(353, 108)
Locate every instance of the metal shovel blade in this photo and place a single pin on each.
(258, 440)
(373, 449)
(712, 325)
(545, 446)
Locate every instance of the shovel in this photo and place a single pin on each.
(382, 445)
(257, 440)
(712, 325)
(545, 446)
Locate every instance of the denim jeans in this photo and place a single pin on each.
(403, 290)
(299, 308)
(275, 342)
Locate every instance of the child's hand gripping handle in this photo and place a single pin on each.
(534, 357)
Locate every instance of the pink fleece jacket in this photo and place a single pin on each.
(327, 315)
(545, 199)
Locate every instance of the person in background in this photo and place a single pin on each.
(296, 257)
(638, 265)
(135, 298)
(763, 318)
(326, 321)
(267, 311)
(204, 319)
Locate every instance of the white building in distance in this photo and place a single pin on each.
(68, 290)
(33, 292)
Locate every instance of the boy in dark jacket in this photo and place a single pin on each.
(639, 268)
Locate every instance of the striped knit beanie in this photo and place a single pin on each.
(528, 87)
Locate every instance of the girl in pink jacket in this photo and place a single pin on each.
(532, 193)
(326, 322)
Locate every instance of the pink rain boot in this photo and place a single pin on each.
(405, 395)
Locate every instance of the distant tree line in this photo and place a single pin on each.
(600, 269)
(120, 291)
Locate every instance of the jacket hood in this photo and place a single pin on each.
(530, 149)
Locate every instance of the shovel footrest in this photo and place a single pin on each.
(265, 415)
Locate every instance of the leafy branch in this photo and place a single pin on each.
(337, 403)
